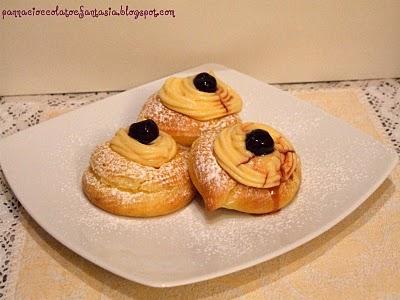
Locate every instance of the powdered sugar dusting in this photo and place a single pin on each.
(129, 175)
(170, 120)
(209, 172)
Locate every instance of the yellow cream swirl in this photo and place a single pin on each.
(265, 171)
(180, 95)
(160, 151)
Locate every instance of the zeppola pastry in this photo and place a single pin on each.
(141, 172)
(187, 107)
(248, 167)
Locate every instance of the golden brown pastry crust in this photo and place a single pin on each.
(218, 189)
(182, 128)
(123, 187)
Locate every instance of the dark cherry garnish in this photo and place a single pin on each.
(205, 82)
(259, 142)
(144, 132)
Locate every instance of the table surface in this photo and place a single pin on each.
(380, 97)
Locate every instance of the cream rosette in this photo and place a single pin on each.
(180, 95)
(158, 152)
(264, 171)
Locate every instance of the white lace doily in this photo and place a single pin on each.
(19, 112)
(382, 97)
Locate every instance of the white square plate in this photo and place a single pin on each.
(341, 168)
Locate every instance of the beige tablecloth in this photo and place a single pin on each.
(357, 259)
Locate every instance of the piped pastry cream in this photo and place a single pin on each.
(263, 171)
(158, 152)
(181, 95)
